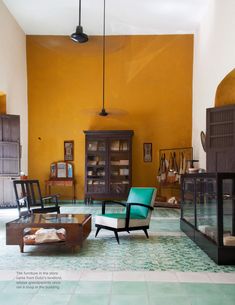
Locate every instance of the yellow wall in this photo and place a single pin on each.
(225, 94)
(148, 89)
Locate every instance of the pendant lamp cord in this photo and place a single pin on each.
(104, 56)
(79, 13)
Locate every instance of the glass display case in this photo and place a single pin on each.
(108, 164)
(208, 213)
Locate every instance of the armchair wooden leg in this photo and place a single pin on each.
(97, 231)
(146, 233)
(116, 235)
(22, 247)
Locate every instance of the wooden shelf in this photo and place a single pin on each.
(178, 162)
(169, 186)
(96, 166)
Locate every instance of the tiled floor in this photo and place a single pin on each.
(107, 288)
(166, 269)
(167, 249)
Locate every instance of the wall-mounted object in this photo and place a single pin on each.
(147, 152)
(173, 162)
(203, 140)
(68, 150)
(61, 170)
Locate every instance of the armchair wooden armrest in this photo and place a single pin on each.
(49, 197)
(128, 210)
(23, 202)
(112, 201)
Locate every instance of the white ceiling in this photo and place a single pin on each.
(124, 17)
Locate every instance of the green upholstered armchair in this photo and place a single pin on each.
(136, 216)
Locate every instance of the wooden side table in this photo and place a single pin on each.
(60, 183)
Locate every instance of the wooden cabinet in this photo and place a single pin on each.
(108, 165)
(220, 139)
(9, 145)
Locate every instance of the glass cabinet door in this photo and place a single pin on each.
(96, 146)
(119, 166)
(188, 208)
(96, 166)
(206, 207)
(228, 187)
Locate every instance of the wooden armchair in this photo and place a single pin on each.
(29, 198)
(136, 215)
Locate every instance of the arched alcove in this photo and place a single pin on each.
(2, 102)
(225, 93)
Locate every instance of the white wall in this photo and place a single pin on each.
(214, 58)
(13, 74)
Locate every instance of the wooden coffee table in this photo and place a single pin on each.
(77, 226)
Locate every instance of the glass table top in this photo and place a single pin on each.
(52, 218)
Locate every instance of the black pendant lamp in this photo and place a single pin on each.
(103, 111)
(79, 36)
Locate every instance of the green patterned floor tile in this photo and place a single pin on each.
(93, 287)
(3, 284)
(170, 300)
(12, 287)
(89, 299)
(59, 287)
(16, 299)
(212, 300)
(130, 288)
(202, 289)
(129, 300)
(166, 249)
(163, 289)
(53, 299)
(161, 225)
(227, 290)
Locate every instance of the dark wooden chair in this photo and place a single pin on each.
(30, 200)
